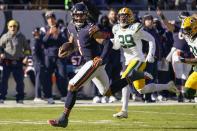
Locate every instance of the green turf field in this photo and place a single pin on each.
(141, 118)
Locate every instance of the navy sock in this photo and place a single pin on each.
(70, 100)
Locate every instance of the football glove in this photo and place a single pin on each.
(62, 53)
(150, 58)
(66, 49)
(97, 61)
(93, 30)
(180, 56)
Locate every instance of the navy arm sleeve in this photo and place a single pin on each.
(107, 47)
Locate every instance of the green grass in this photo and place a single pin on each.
(141, 118)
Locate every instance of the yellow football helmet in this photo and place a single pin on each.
(189, 27)
(125, 16)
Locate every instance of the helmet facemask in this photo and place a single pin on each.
(79, 19)
(189, 27)
(125, 17)
(79, 14)
(123, 20)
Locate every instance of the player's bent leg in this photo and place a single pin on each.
(62, 121)
(191, 86)
(170, 86)
(121, 83)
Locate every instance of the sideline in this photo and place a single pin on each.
(79, 103)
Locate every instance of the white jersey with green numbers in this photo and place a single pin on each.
(129, 40)
(193, 48)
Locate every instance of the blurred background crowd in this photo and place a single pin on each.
(101, 4)
(40, 62)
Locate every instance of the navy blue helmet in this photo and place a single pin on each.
(79, 14)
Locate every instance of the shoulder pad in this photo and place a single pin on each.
(93, 29)
(136, 27)
(70, 28)
(115, 28)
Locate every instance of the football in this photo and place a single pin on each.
(66, 49)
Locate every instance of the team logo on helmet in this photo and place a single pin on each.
(125, 16)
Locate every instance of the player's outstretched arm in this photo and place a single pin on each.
(169, 26)
(101, 39)
(152, 46)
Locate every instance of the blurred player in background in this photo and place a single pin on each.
(189, 28)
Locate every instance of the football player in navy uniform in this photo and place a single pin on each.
(88, 38)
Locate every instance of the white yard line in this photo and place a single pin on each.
(107, 122)
(137, 111)
(81, 103)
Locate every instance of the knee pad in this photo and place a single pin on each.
(139, 84)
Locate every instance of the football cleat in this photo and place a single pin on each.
(121, 114)
(59, 122)
(172, 88)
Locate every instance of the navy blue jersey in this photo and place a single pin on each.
(179, 41)
(75, 59)
(87, 45)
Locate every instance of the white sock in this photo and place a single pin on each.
(153, 88)
(125, 98)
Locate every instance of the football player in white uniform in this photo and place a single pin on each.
(189, 28)
(127, 36)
